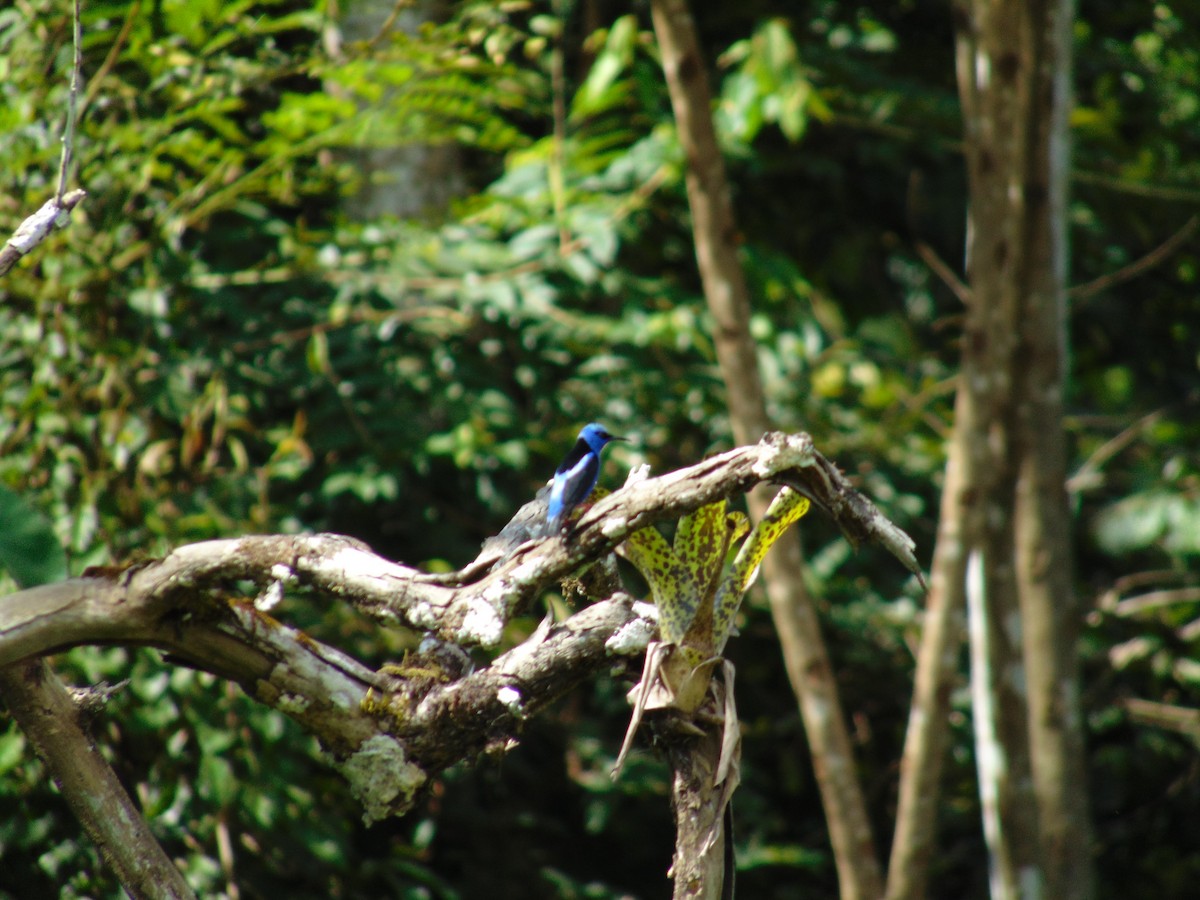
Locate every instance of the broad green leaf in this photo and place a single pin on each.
(700, 543)
(1166, 518)
(29, 550)
(787, 507)
(670, 582)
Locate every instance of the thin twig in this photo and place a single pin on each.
(1134, 606)
(110, 60)
(1088, 474)
(957, 286)
(1136, 188)
(55, 212)
(68, 138)
(386, 28)
(35, 229)
(1182, 719)
(924, 250)
(1138, 267)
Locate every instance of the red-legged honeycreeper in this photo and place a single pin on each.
(576, 475)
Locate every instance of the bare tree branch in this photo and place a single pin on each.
(949, 277)
(55, 212)
(388, 732)
(1182, 719)
(43, 708)
(1138, 267)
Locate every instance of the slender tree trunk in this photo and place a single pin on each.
(1050, 610)
(937, 670)
(796, 623)
(698, 868)
(406, 180)
(1007, 538)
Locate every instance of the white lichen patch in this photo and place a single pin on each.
(511, 698)
(614, 526)
(638, 473)
(382, 778)
(360, 566)
(282, 573)
(481, 625)
(632, 637)
(423, 614)
(777, 452)
(270, 597)
(644, 610)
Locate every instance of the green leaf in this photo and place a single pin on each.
(670, 581)
(787, 507)
(699, 543)
(597, 94)
(1165, 518)
(12, 750)
(29, 550)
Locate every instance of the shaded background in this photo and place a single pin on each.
(267, 317)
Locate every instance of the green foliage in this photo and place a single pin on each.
(29, 550)
(768, 85)
(214, 346)
(1168, 520)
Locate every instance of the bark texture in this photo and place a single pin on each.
(715, 234)
(389, 731)
(1005, 517)
(698, 869)
(45, 711)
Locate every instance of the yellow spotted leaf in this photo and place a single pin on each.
(700, 544)
(787, 507)
(670, 581)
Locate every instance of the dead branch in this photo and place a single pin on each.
(55, 212)
(44, 709)
(390, 731)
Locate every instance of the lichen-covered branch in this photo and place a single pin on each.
(391, 730)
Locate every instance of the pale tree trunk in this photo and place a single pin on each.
(407, 180)
(928, 720)
(807, 661)
(1006, 539)
(1051, 612)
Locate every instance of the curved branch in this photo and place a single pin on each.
(390, 731)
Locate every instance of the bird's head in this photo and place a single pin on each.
(596, 436)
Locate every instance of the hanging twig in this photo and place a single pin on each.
(55, 212)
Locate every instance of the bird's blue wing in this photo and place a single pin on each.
(571, 486)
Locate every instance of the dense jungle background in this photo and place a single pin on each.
(368, 270)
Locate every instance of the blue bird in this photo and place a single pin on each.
(576, 476)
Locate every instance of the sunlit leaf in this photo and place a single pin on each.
(787, 507)
(670, 581)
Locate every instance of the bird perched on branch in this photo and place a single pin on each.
(576, 476)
